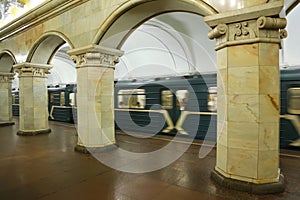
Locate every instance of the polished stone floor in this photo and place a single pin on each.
(46, 167)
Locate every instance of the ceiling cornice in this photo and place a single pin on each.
(38, 15)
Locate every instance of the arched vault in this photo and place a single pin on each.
(7, 60)
(131, 14)
(46, 46)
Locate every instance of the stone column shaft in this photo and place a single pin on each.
(95, 96)
(6, 97)
(248, 96)
(33, 98)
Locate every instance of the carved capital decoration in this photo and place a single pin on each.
(271, 23)
(95, 59)
(217, 32)
(95, 56)
(32, 70)
(264, 29)
(6, 77)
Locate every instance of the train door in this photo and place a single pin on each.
(50, 100)
(181, 98)
(174, 102)
(168, 102)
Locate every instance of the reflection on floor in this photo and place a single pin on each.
(46, 167)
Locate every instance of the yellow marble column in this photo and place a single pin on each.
(6, 99)
(248, 42)
(95, 96)
(33, 98)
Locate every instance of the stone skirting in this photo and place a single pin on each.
(90, 150)
(7, 123)
(32, 133)
(268, 188)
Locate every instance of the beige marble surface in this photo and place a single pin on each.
(33, 96)
(5, 101)
(33, 103)
(248, 99)
(95, 95)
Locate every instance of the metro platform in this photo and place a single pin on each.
(47, 167)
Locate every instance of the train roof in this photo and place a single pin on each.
(201, 78)
(290, 73)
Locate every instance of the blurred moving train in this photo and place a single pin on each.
(186, 104)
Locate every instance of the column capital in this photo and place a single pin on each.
(95, 56)
(32, 69)
(6, 77)
(247, 25)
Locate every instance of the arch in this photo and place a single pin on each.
(291, 7)
(133, 13)
(7, 60)
(45, 47)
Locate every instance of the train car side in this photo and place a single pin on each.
(171, 105)
(290, 108)
(15, 103)
(60, 102)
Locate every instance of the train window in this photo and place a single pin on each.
(62, 98)
(72, 100)
(182, 99)
(212, 99)
(135, 98)
(167, 99)
(294, 100)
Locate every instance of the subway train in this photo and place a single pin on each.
(183, 104)
(61, 103)
(188, 105)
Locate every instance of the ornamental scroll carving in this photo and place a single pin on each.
(78, 59)
(6, 77)
(264, 29)
(220, 30)
(242, 31)
(95, 59)
(32, 71)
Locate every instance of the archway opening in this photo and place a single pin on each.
(7, 60)
(50, 49)
(157, 35)
(163, 42)
(168, 45)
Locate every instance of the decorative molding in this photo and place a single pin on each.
(79, 59)
(283, 33)
(6, 77)
(220, 30)
(95, 56)
(244, 14)
(38, 15)
(94, 59)
(271, 23)
(263, 29)
(32, 70)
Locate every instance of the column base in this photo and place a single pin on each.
(32, 133)
(90, 150)
(9, 123)
(267, 188)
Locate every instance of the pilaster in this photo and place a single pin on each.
(6, 99)
(248, 42)
(95, 95)
(33, 98)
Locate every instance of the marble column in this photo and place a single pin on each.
(6, 99)
(248, 42)
(95, 96)
(33, 98)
